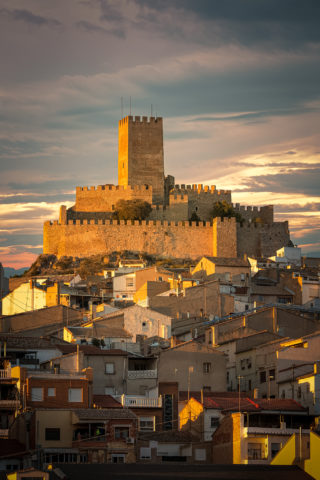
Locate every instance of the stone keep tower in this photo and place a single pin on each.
(140, 154)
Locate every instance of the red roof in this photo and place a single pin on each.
(106, 401)
(229, 401)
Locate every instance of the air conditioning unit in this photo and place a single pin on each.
(130, 440)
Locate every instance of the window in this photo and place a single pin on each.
(249, 384)
(110, 368)
(37, 394)
(121, 432)
(262, 377)
(299, 392)
(146, 424)
(272, 373)
(283, 394)
(75, 395)
(118, 458)
(254, 451)
(109, 390)
(51, 392)
(200, 454)
(52, 433)
(207, 367)
(130, 282)
(206, 388)
(214, 422)
(275, 447)
(145, 453)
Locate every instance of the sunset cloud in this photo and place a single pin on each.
(236, 82)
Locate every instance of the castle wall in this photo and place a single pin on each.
(182, 240)
(255, 214)
(103, 198)
(260, 240)
(140, 156)
(201, 199)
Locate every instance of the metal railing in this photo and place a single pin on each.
(134, 374)
(5, 373)
(140, 401)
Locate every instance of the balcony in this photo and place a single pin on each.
(140, 401)
(137, 374)
(4, 432)
(248, 431)
(5, 373)
(9, 404)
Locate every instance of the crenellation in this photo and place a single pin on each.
(88, 227)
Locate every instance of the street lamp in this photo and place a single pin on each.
(239, 382)
(270, 377)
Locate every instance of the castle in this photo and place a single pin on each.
(87, 227)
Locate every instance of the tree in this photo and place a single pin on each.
(132, 210)
(194, 217)
(224, 209)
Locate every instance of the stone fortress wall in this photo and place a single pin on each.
(87, 227)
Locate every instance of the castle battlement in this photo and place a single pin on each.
(139, 120)
(143, 223)
(247, 208)
(198, 188)
(87, 228)
(114, 188)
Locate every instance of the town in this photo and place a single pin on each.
(162, 324)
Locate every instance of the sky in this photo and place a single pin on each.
(236, 81)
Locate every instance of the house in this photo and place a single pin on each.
(41, 389)
(12, 455)
(256, 433)
(202, 299)
(137, 321)
(229, 267)
(9, 396)
(194, 366)
(177, 446)
(289, 256)
(27, 296)
(106, 336)
(40, 322)
(81, 435)
(109, 367)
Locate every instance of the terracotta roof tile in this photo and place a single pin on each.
(106, 401)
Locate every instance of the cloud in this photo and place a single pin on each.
(302, 181)
(92, 28)
(30, 18)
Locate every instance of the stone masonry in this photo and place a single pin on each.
(87, 228)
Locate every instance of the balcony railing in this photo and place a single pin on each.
(137, 374)
(9, 404)
(5, 373)
(140, 401)
(4, 432)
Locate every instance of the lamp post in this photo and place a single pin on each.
(270, 377)
(239, 382)
(190, 370)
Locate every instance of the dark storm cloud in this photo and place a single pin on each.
(30, 18)
(304, 181)
(287, 24)
(93, 28)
